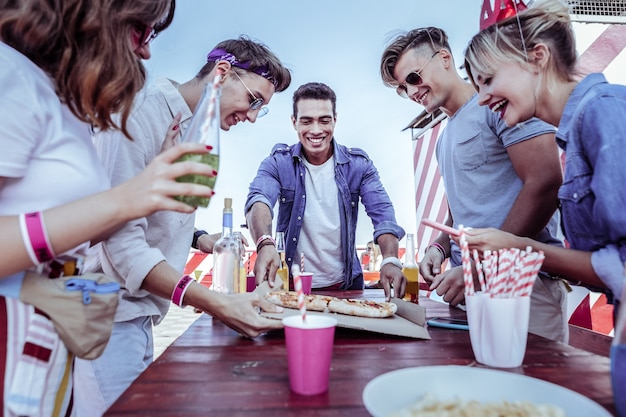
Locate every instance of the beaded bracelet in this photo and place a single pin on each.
(265, 237)
(35, 237)
(265, 242)
(437, 246)
(180, 289)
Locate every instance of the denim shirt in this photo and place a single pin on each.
(281, 178)
(592, 132)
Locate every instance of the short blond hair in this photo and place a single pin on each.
(547, 22)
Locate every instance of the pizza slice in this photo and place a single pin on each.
(289, 299)
(350, 307)
(362, 308)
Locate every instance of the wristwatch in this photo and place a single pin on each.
(196, 236)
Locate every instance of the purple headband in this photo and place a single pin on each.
(222, 55)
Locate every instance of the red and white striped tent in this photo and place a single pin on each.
(601, 47)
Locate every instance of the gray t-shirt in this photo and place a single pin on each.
(480, 180)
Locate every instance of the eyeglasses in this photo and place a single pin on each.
(144, 34)
(414, 78)
(256, 103)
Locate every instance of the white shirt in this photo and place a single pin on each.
(134, 250)
(321, 235)
(47, 158)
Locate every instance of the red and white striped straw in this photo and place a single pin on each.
(467, 264)
(479, 270)
(215, 89)
(297, 285)
(508, 272)
(302, 262)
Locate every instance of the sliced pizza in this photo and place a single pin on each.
(362, 308)
(351, 307)
(289, 299)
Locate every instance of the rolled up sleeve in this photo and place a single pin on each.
(609, 267)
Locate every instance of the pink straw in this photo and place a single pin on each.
(297, 285)
(441, 227)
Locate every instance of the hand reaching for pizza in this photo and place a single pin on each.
(240, 312)
(392, 277)
(266, 265)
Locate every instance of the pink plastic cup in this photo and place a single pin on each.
(307, 281)
(309, 352)
(250, 283)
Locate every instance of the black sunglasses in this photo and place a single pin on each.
(145, 34)
(414, 78)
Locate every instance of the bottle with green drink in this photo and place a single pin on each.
(204, 127)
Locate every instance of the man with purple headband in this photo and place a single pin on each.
(148, 255)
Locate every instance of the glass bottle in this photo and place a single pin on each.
(240, 284)
(409, 269)
(204, 127)
(618, 356)
(226, 254)
(283, 271)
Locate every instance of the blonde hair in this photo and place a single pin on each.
(84, 46)
(546, 22)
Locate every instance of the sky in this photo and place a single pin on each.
(337, 42)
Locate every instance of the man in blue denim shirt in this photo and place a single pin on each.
(319, 184)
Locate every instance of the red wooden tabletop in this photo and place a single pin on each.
(212, 371)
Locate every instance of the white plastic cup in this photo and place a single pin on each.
(498, 329)
(309, 352)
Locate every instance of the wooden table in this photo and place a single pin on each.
(212, 371)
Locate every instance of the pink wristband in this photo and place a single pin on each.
(37, 236)
(181, 289)
(265, 237)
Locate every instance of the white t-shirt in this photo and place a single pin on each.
(47, 157)
(321, 235)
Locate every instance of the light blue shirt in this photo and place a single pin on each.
(592, 132)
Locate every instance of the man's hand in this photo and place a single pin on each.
(430, 266)
(450, 285)
(206, 243)
(173, 133)
(240, 312)
(266, 264)
(392, 277)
